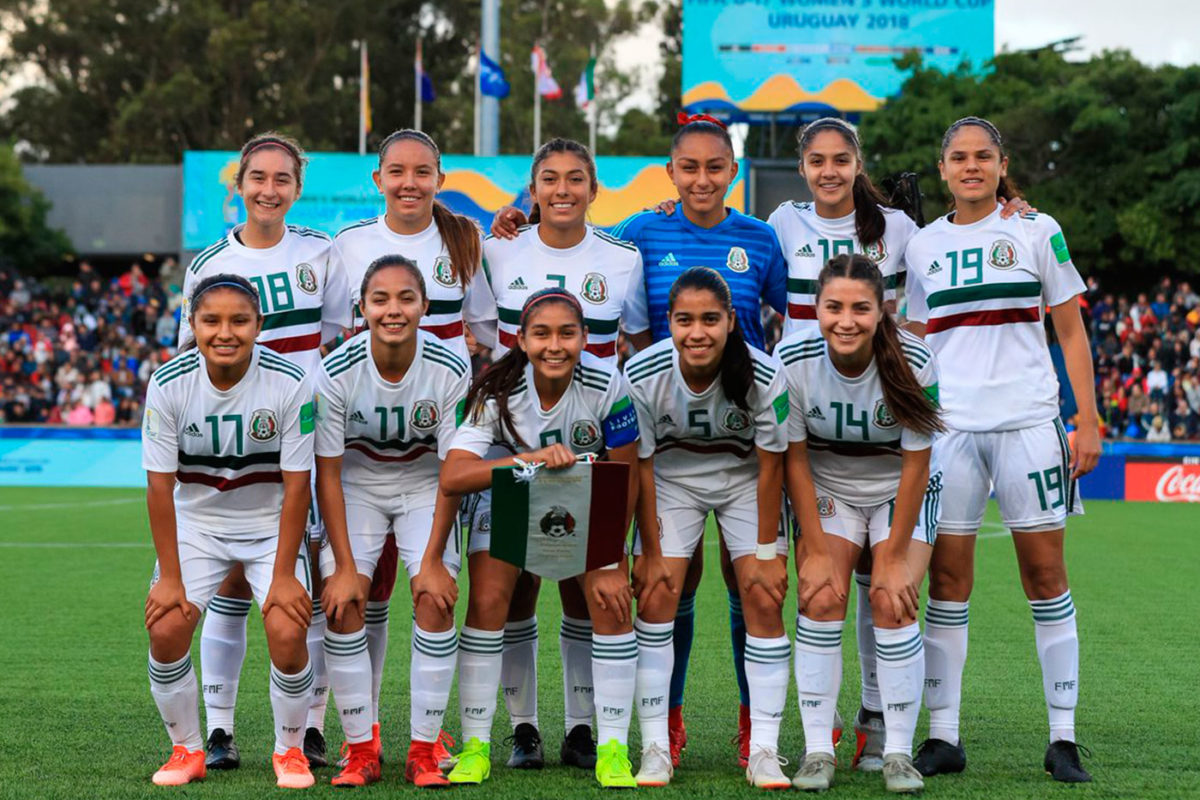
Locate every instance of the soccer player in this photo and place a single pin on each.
(977, 285)
(547, 390)
(863, 413)
(389, 401)
(558, 249)
(446, 248)
(304, 301)
(227, 450)
(713, 413)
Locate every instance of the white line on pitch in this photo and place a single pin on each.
(73, 545)
(58, 506)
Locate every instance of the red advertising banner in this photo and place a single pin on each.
(1175, 480)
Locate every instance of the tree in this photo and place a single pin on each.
(26, 241)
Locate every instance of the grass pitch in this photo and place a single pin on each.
(78, 720)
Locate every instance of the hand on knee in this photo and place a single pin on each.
(430, 616)
(825, 606)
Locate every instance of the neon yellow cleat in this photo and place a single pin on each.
(613, 769)
(474, 763)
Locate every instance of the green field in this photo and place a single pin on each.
(78, 720)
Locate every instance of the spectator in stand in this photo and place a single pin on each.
(79, 414)
(1158, 431)
(1156, 381)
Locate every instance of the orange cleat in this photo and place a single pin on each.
(422, 768)
(291, 770)
(362, 766)
(184, 766)
(743, 736)
(677, 733)
(441, 751)
(377, 743)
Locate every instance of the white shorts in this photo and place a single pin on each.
(862, 524)
(205, 560)
(682, 513)
(475, 515)
(1028, 468)
(369, 526)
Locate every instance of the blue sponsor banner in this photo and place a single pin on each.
(61, 456)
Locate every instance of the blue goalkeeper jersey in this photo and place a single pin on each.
(745, 250)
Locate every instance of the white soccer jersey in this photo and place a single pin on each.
(703, 440)
(299, 291)
(605, 273)
(594, 415)
(228, 449)
(854, 444)
(357, 245)
(809, 240)
(392, 437)
(981, 289)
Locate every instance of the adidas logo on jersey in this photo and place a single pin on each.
(665, 419)
(668, 260)
(518, 285)
(358, 417)
(815, 413)
(192, 430)
(806, 252)
(934, 268)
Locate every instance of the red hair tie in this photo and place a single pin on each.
(686, 119)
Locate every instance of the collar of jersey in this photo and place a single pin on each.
(537, 401)
(867, 374)
(837, 224)
(237, 387)
(558, 252)
(679, 379)
(257, 252)
(684, 222)
(974, 226)
(374, 369)
(408, 238)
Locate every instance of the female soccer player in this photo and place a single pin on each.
(863, 398)
(390, 398)
(714, 415)
(545, 391)
(227, 450)
(305, 301)
(976, 285)
(560, 249)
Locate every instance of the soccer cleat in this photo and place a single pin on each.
(742, 740)
(184, 766)
(656, 768)
(677, 733)
(869, 734)
(938, 757)
(362, 766)
(816, 773)
(441, 751)
(613, 769)
(421, 768)
(474, 763)
(526, 748)
(1062, 762)
(314, 748)
(838, 725)
(377, 743)
(291, 770)
(763, 769)
(899, 774)
(579, 748)
(222, 751)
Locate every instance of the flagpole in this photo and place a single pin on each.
(490, 124)
(537, 103)
(478, 97)
(362, 97)
(593, 110)
(417, 87)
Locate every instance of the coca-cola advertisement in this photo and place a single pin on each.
(1163, 480)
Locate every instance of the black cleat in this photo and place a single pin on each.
(579, 748)
(314, 748)
(1062, 762)
(937, 757)
(526, 748)
(221, 752)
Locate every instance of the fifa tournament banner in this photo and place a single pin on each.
(560, 523)
(742, 57)
(338, 190)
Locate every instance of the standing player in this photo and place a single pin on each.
(714, 415)
(977, 284)
(305, 302)
(546, 390)
(227, 450)
(863, 415)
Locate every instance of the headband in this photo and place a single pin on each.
(269, 143)
(224, 285)
(684, 119)
(549, 294)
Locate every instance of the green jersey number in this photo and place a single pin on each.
(383, 412)
(560, 280)
(1048, 481)
(966, 264)
(834, 247)
(215, 429)
(698, 419)
(552, 436)
(274, 292)
(845, 416)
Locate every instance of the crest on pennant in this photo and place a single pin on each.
(557, 522)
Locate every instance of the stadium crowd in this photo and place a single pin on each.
(81, 355)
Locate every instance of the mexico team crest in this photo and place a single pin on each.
(424, 415)
(876, 251)
(737, 260)
(825, 507)
(584, 434)
(1003, 254)
(557, 522)
(594, 288)
(263, 426)
(306, 278)
(735, 419)
(883, 417)
(443, 271)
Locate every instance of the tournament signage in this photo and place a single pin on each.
(1163, 480)
(747, 56)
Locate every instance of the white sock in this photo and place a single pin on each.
(945, 657)
(901, 672)
(656, 660)
(767, 674)
(818, 679)
(350, 676)
(518, 671)
(1058, 651)
(376, 619)
(316, 657)
(614, 668)
(864, 623)
(479, 656)
(177, 696)
(222, 651)
(575, 648)
(291, 695)
(430, 674)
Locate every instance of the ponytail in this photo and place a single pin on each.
(535, 214)
(460, 234)
(869, 222)
(904, 194)
(737, 365)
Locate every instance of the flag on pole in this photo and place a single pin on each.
(491, 78)
(585, 90)
(560, 523)
(423, 79)
(364, 97)
(547, 87)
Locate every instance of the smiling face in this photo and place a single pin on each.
(269, 186)
(563, 188)
(702, 167)
(225, 324)
(829, 164)
(409, 179)
(972, 166)
(393, 305)
(848, 312)
(700, 327)
(553, 337)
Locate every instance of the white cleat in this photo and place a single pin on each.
(763, 769)
(656, 769)
(816, 773)
(899, 774)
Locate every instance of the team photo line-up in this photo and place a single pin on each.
(867, 444)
